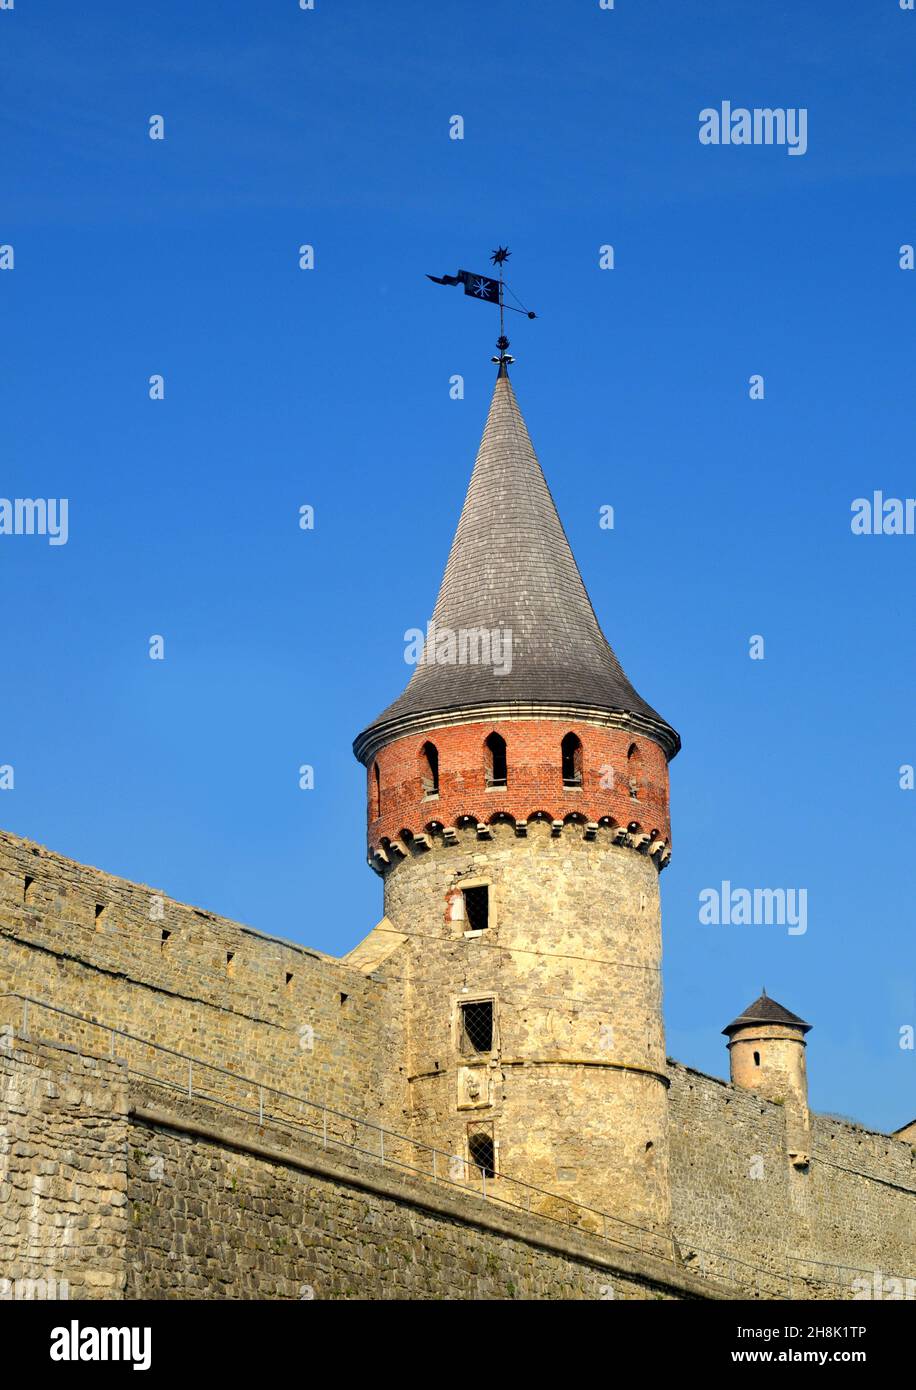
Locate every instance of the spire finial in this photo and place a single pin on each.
(499, 258)
(490, 292)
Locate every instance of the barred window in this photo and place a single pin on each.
(476, 1027)
(482, 1152)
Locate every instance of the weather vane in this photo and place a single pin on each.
(490, 291)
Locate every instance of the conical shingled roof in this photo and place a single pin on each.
(766, 1010)
(511, 567)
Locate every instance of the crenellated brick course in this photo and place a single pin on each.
(398, 806)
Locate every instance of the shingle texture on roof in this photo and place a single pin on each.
(766, 1010)
(511, 567)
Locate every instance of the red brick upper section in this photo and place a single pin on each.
(614, 764)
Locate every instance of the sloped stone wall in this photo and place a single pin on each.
(112, 1188)
(189, 980)
(220, 1212)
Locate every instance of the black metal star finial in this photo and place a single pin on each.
(500, 255)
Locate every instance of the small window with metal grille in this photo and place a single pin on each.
(476, 1027)
(477, 907)
(482, 1152)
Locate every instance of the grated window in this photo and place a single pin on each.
(477, 1027)
(482, 1152)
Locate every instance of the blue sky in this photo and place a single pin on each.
(330, 387)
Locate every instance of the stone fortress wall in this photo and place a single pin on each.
(850, 1208)
(114, 1178)
(114, 1188)
(187, 979)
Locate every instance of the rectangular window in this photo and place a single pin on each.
(477, 908)
(476, 1027)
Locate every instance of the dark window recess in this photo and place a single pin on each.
(27, 889)
(756, 1059)
(429, 769)
(482, 1151)
(571, 756)
(477, 1027)
(634, 771)
(477, 908)
(495, 746)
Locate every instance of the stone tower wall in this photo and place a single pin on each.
(781, 1073)
(574, 1087)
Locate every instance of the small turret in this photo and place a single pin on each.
(766, 1045)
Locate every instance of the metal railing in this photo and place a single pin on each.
(267, 1104)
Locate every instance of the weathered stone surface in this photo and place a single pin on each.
(81, 1200)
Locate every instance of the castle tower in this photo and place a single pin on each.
(518, 814)
(766, 1046)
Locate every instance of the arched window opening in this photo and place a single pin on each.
(495, 746)
(378, 791)
(634, 771)
(571, 759)
(756, 1059)
(429, 769)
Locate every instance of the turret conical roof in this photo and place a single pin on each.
(511, 568)
(766, 1010)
